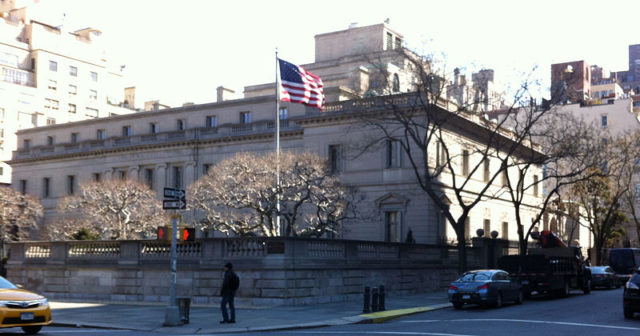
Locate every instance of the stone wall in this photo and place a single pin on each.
(272, 270)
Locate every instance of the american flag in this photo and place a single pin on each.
(300, 86)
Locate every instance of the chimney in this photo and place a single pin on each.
(224, 93)
(130, 97)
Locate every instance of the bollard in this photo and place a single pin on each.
(374, 299)
(381, 299)
(367, 300)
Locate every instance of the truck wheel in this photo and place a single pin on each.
(32, 330)
(587, 287)
(628, 313)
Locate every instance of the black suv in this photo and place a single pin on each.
(631, 298)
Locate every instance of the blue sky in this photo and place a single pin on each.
(180, 51)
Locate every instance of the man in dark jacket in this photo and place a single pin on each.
(230, 285)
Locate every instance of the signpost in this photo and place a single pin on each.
(174, 200)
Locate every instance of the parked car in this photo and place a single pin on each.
(604, 276)
(22, 308)
(485, 287)
(624, 261)
(631, 296)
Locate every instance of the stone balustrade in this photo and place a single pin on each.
(272, 270)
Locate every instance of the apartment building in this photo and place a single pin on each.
(50, 76)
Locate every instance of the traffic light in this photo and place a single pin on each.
(187, 234)
(164, 233)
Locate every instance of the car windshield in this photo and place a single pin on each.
(6, 284)
(475, 276)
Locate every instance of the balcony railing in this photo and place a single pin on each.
(156, 138)
(16, 76)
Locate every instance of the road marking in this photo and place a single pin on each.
(526, 321)
(375, 333)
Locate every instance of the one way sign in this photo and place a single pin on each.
(174, 193)
(174, 204)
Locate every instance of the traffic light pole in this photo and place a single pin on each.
(172, 314)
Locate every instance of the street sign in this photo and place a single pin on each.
(174, 204)
(173, 193)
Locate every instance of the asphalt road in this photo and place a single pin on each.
(596, 314)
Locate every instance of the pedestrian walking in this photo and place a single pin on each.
(230, 285)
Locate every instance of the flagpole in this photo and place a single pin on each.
(277, 140)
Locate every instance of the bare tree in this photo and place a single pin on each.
(239, 196)
(565, 142)
(428, 127)
(18, 214)
(602, 197)
(115, 209)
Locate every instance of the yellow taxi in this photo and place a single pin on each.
(22, 308)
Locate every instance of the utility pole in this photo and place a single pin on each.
(172, 314)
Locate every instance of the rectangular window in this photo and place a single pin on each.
(211, 121)
(465, 162)
(245, 117)
(604, 121)
(73, 90)
(153, 127)
(126, 130)
(51, 104)
(53, 84)
(74, 137)
(393, 154)
(1, 171)
(535, 185)
(93, 94)
(148, 177)
(72, 108)
(486, 172)
(91, 112)
(53, 65)
(45, 187)
(205, 168)
(101, 134)
(51, 121)
(26, 143)
(505, 230)
(71, 184)
(486, 226)
(97, 177)
(177, 177)
(392, 226)
(335, 158)
(122, 174)
(23, 187)
(73, 71)
(398, 43)
(284, 113)
(389, 41)
(94, 76)
(50, 140)
(180, 124)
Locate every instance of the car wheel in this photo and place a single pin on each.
(564, 292)
(628, 313)
(32, 330)
(499, 300)
(520, 298)
(458, 305)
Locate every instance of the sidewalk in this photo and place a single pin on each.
(205, 319)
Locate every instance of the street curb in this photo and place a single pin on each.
(383, 316)
(377, 317)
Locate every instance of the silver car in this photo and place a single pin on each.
(485, 287)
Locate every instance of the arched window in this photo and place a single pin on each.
(396, 83)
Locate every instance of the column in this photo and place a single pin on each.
(108, 174)
(189, 173)
(161, 179)
(134, 173)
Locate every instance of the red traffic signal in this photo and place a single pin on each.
(164, 233)
(188, 234)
